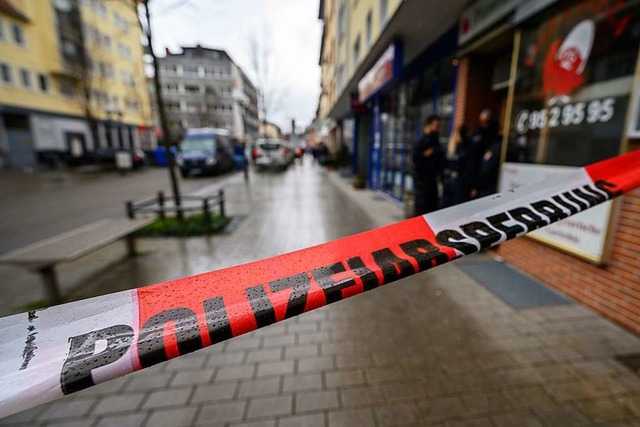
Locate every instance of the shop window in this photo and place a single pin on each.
(501, 73)
(571, 96)
(43, 83)
(18, 35)
(6, 74)
(25, 78)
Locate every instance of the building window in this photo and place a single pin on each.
(66, 88)
(44, 83)
(18, 35)
(383, 12)
(190, 70)
(356, 52)
(1, 29)
(342, 21)
(5, 73)
(25, 78)
(340, 76)
(369, 29)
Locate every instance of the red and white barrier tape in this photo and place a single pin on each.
(49, 353)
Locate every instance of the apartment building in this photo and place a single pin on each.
(203, 87)
(71, 80)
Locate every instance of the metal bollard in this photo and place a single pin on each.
(221, 197)
(205, 211)
(131, 213)
(161, 204)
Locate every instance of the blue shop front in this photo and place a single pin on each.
(392, 102)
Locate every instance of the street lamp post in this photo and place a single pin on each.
(163, 119)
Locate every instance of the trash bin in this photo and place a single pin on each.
(124, 161)
(160, 156)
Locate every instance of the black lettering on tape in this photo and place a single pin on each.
(393, 267)
(529, 218)
(425, 253)
(299, 284)
(590, 198)
(368, 277)
(261, 306)
(151, 344)
(332, 289)
(480, 231)
(498, 222)
(596, 193)
(81, 360)
(552, 211)
(559, 200)
(217, 320)
(454, 239)
(575, 200)
(611, 189)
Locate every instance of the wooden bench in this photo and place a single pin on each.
(43, 256)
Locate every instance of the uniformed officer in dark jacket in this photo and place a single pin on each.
(487, 145)
(427, 162)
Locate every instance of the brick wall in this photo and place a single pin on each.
(613, 290)
(473, 92)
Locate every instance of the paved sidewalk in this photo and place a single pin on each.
(433, 349)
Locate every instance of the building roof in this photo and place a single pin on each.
(200, 51)
(9, 9)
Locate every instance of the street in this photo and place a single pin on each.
(40, 205)
(433, 349)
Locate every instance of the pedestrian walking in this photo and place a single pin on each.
(458, 169)
(427, 162)
(487, 144)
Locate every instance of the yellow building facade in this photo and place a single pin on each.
(351, 28)
(58, 104)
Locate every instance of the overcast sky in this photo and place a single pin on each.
(290, 27)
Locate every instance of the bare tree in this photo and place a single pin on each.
(145, 25)
(270, 94)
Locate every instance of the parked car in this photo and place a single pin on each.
(205, 151)
(139, 158)
(273, 153)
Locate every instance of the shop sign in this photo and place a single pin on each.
(575, 74)
(385, 70)
(584, 234)
(592, 112)
(481, 15)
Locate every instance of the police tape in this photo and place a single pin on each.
(46, 354)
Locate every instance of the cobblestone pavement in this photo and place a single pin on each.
(433, 349)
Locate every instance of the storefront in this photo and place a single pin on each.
(571, 104)
(398, 107)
